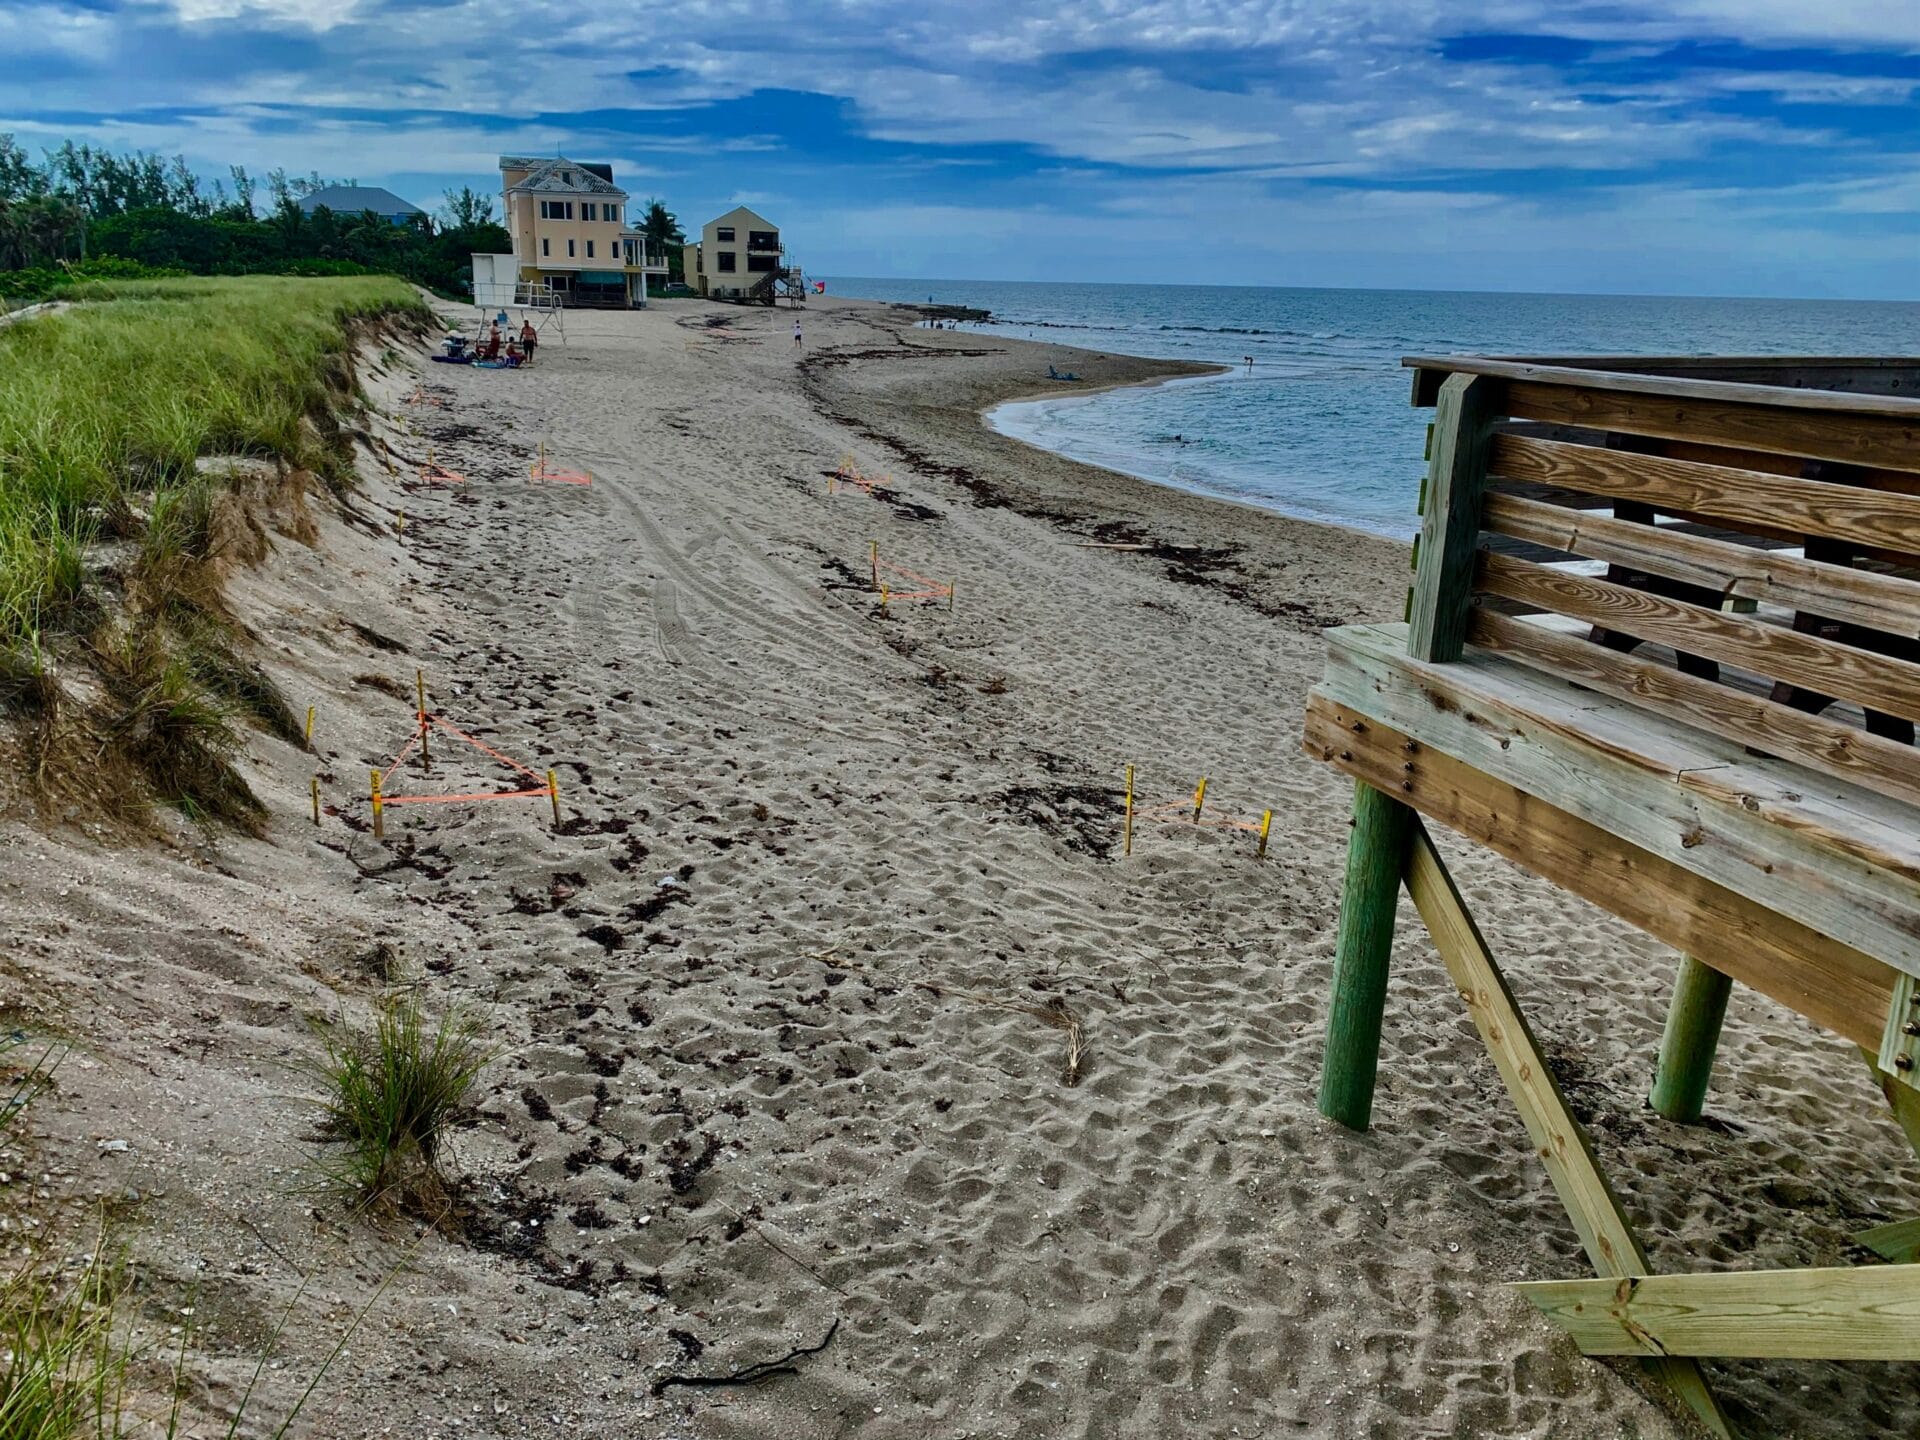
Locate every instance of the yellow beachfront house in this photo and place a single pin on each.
(571, 236)
(735, 254)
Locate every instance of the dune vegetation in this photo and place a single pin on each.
(110, 412)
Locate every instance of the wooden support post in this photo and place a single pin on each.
(1126, 847)
(1902, 1099)
(313, 788)
(379, 818)
(1687, 1045)
(949, 597)
(1450, 529)
(883, 597)
(1376, 854)
(873, 559)
(1266, 826)
(553, 790)
(1199, 797)
(310, 727)
(420, 694)
(1558, 1139)
(1899, 1058)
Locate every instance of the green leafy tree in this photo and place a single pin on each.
(465, 208)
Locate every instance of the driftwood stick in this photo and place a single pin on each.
(763, 1370)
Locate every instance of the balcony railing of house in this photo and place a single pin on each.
(761, 241)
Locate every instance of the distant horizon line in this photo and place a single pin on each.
(1378, 289)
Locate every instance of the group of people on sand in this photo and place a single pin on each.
(518, 349)
(500, 348)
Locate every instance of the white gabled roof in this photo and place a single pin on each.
(558, 176)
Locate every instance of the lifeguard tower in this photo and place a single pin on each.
(1662, 648)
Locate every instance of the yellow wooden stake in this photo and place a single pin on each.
(949, 597)
(873, 557)
(420, 690)
(553, 790)
(309, 727)
(313, 787)
(379, 820)
(883, 597)
(1199, 797)
(1266, 824)
(1126, 847)
(400, 523)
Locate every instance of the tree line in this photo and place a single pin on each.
(80, 205)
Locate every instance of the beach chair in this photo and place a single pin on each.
(1658, 649)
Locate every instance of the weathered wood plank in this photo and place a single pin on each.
(1853, 429)
(1844, 862)
(1837, 592)
(1870, 1313)
(1771, 503)
(1558, 1139)
(1845, 752)
(1833, 985)
(1877, 682)
(1769, 380)
(1450, 525)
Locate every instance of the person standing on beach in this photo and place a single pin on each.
(529, 337)
(1249, 360)
(797, 341)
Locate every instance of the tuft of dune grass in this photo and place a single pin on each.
(389, 1095)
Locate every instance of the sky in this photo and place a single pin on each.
(1744, 147)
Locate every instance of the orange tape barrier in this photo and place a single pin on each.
(1189, 811)
(931, 589)
(420, 397)
(541, 473)
(849, 475)
(435, 473)
(425, 721)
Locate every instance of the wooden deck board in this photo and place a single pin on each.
(1832, 984)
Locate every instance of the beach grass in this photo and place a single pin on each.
(108, 411)
(389, 1095)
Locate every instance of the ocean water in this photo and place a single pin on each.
(1321, 426)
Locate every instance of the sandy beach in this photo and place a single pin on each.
(777, 1006)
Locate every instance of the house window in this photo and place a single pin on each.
(589, 249)
(610, 212)
(724, 234)
(763, 240)
(761, 263)
(546, 246)
(556, 209)
(570, 249)
(729, 260)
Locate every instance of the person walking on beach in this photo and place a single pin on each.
(529, 337)
(797, 341)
